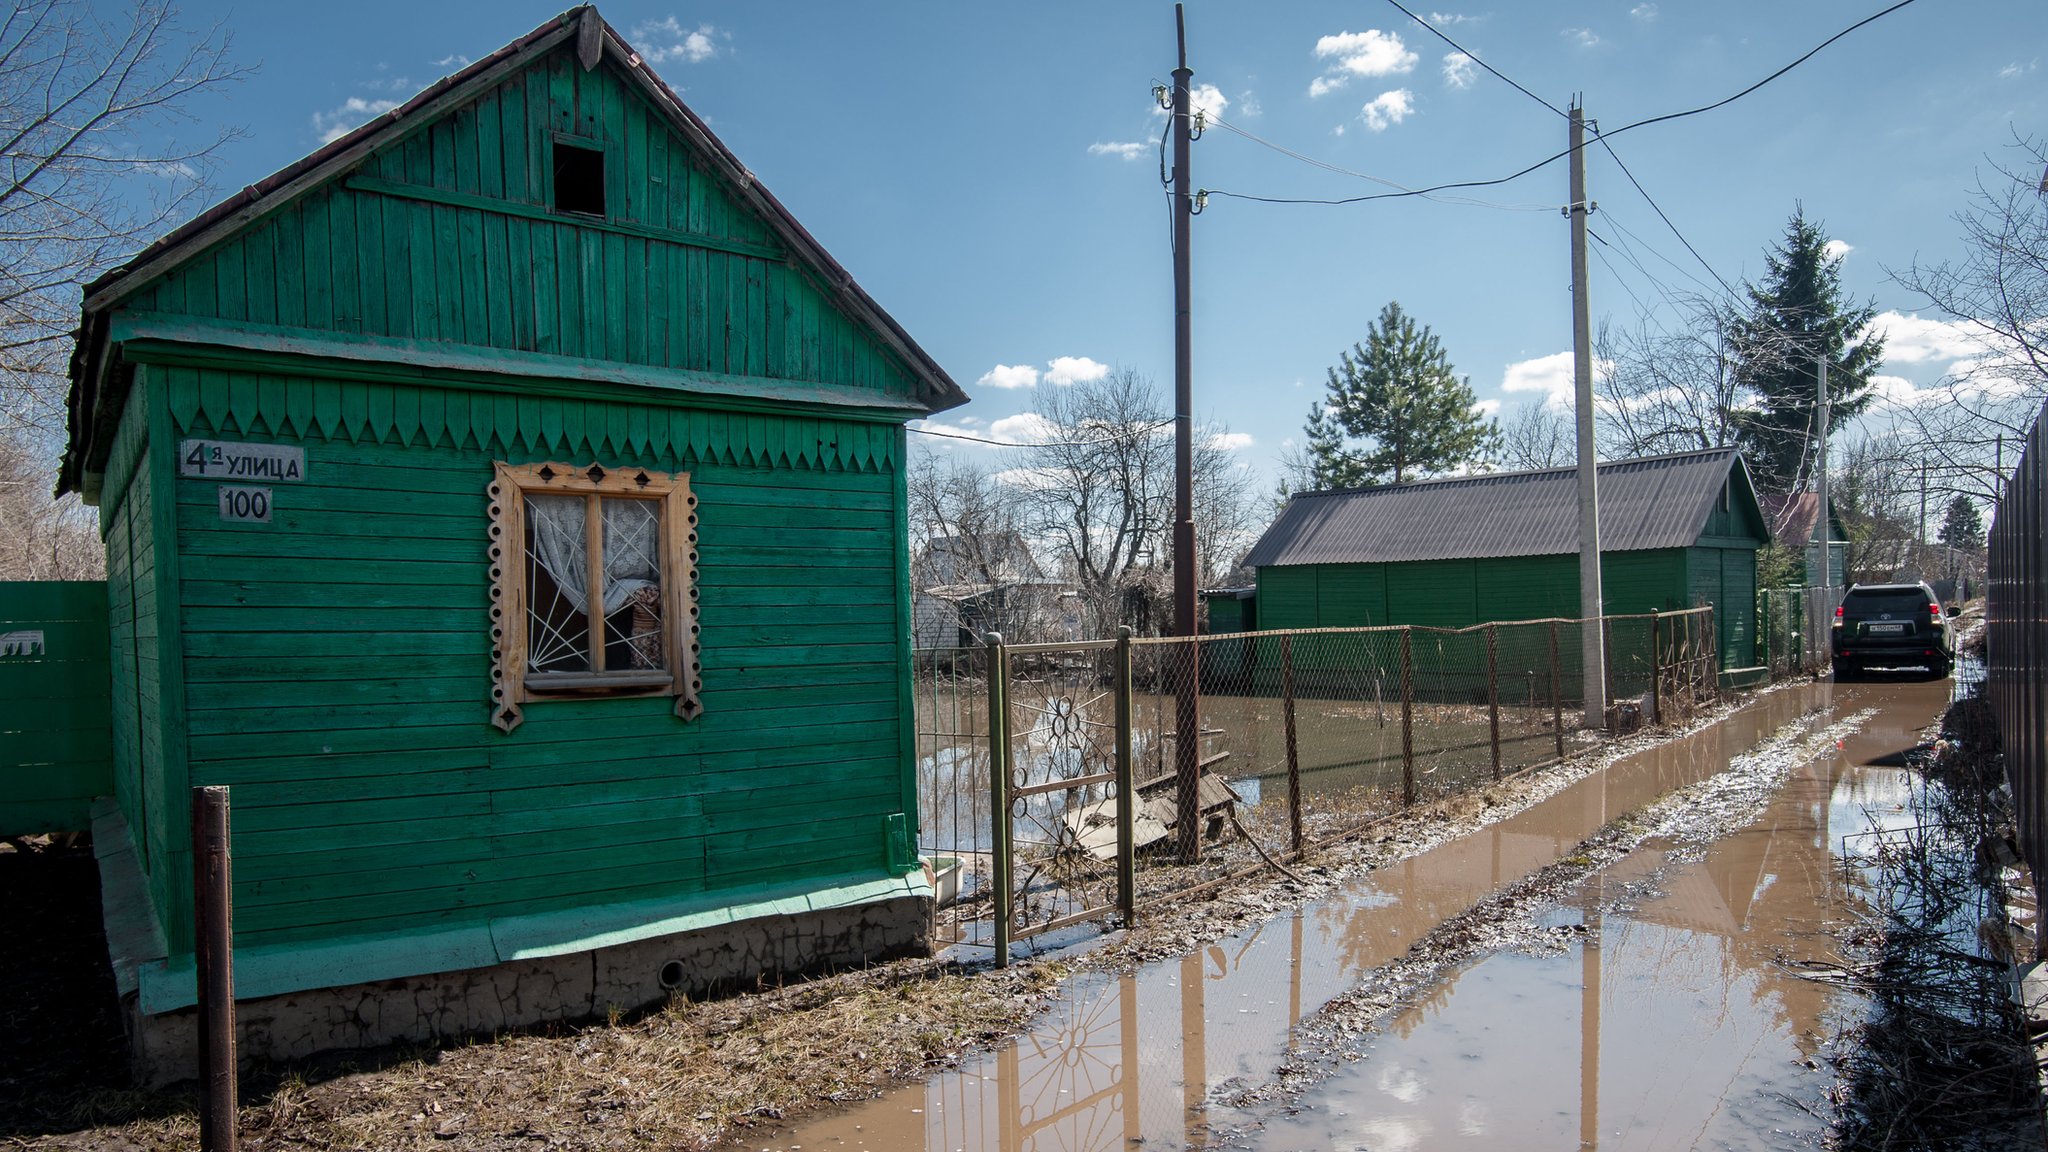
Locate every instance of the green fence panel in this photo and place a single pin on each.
(56, 729)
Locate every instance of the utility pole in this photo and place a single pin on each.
(1820, 487)
(1187, 707)
(1592, 634)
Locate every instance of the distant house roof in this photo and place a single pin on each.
(1789, 516)
(1654, 502)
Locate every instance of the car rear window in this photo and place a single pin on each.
(1896, 603)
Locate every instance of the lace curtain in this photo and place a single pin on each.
(632, 547)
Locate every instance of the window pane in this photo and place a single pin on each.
(632, 585)
(557, 579)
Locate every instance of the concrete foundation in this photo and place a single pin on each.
(474, 1002)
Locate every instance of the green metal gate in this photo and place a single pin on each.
(56, 727)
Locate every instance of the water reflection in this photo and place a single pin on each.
(1666, 998)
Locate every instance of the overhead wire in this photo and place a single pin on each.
(1556, 156)
(1340, 170)
(1152, 427)
(1468, 54)
(1652, 201)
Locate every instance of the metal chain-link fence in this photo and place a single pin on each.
(1793, 626)
(1298, 736)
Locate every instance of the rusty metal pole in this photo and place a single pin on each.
(1407, 717)
(1187, 706)
(1493, 692)
(1556, 694)
(999, 790)
(213, 956)
(1126, 787)
(1293, 748)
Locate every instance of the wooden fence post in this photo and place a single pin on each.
(1493, 692)
(999, 790)
(1293, 748)
(214, 962)
(1556, 694)
(1407, 717)
(1126, 787)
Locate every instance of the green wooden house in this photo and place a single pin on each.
(507, 502)
(1675, 531)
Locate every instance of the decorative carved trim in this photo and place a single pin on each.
(680, 638)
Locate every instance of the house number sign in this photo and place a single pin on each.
(228, 460)
(250, 505)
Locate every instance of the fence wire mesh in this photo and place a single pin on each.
(1793, 626)
(1301, 735)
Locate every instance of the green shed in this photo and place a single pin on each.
(506, 501)
(1675, 531)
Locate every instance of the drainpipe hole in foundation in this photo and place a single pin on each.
(671, 975)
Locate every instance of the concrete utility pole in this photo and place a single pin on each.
(1187, 707)
(1820, 475)
(1592, 633)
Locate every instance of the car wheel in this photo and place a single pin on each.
(1938, 669)
(1844, 670)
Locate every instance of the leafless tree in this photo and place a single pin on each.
(970, 564)
(1668, 390)
(1999, 292)
(1875, 487)
(1097, 492)
(1536, 435)
(93, 166)
(41, 539)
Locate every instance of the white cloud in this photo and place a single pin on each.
(1009, 376)
(1446, 19)
(1065, 370)
(1248, 105)
(1387, 108)
(1368, 53)
(454, 60)
(1023, 428)
(1458, 70)
(1585, 37)
(660, 41)
(1207, 100)
(1550, 375)
(2016, 69)
(1487, 407)
(1836, 249)
(1324, 85)
(1644, 11)
(1122, 151)
(1912, 339)
(355, 110)
(1230, 441)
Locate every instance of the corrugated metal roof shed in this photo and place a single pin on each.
(1653, 502)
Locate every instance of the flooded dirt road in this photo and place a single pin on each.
(1670, 1025)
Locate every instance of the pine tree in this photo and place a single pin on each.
(1396, 411)
(1963, 526)
(1798, 314)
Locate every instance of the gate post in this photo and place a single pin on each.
(999, 789)
(1293, 749)
(1493, 692)
(1407, 717)
(1126, 800)
(1556, 694)
(1657, 668)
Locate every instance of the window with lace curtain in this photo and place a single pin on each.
(593, 586)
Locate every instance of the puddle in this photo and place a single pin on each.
(1672, 1025)
(1136, 1058)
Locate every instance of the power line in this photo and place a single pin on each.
(1153, 427)
(1326, 166)
(1555, 157)
(1476, 60)
(1661, 216)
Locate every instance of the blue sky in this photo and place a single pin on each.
(991, 175)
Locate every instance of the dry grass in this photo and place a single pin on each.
(686, 1076)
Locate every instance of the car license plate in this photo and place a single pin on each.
(1892, 628)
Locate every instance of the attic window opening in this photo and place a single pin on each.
(579, 179)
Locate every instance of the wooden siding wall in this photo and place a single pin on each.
(338, 663)
(1455, 593)
(447, 235)
(55, 732)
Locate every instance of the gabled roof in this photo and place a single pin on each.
(1654, 502)
(595, 41)
(1789, 516)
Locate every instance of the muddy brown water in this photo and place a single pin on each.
(1672, 1026)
